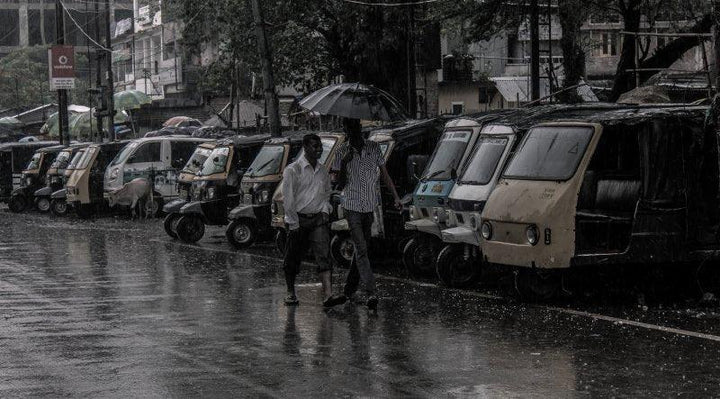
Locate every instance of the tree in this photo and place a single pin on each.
(24, 79)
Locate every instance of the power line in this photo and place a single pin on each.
(410, 3)
(82, 30)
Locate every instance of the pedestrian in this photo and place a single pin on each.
(360, 163)
(306, 188)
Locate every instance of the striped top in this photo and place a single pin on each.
(362, 175)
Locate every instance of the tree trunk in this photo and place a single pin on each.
(716, 40)
(624, 80)
(572, 15)
(271, 98)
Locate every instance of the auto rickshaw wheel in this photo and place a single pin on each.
(537, 285)
(455, 269)
(280, 241)
(241, 233)
(17, 203)
(59, 207)
(43, 204)
(419, 256)
(152, 207)
(190, 228)
(342, 249)
(169, 224)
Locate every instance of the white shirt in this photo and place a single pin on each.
(305, 190)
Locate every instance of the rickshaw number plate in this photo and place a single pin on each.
(437, 188)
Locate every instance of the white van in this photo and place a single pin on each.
(157, 158)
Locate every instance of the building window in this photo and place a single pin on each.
(9, 28)
(609, 44)
(458, 108)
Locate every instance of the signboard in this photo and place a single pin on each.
(62, 67)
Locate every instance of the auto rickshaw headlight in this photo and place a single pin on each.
(211, 193)
(28, 181)
(247, 199)
(486, 231)
(532, 234)
(412, 212)
(263, 196)
(274, 208)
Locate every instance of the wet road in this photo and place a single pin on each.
(114, 308)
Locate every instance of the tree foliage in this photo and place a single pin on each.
(24, 79)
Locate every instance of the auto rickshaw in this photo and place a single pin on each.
(216, 186)
(33, 177)
(627, 187)
(14, 157)
(459, 262)
(58, 198)
(250, 220)
(184, 182)
(430, 199)
(85, 185)
(54, 178)
(406, 147)
(157, 159)
(330, 142)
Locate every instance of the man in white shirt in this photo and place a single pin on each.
(306, 191)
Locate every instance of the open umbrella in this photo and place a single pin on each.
(130, 99)
(11, 122)
(182, 121)
(354, 100)
(84, 124)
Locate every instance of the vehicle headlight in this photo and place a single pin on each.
(532, 234)
(435, 215)
(263, 196)
(28, 181)
(56, 179)
(211, 193)
(412, 212)
(247, 199)
(486, 231)
(274, 208)
(114, 173)
(448, 216)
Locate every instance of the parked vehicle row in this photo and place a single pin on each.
(535, 191)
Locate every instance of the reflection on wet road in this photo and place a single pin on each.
(114, 308)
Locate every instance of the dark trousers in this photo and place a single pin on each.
(360, 271)
(314, 233)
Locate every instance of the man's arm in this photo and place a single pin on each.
(288, 186)
(389, 183)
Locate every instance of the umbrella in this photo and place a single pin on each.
(11, 121)
(354, 100)
(130, 99)
(84, 124)
(51, 126)
(182, 121)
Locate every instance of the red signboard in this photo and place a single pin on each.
(62, 67)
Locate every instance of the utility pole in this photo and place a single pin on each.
(271, 98)
(410, 50)
(110, 83)
(98, 77)
(534, 50)
(62, 94)
(716, 41)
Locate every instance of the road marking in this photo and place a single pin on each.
(581, 313)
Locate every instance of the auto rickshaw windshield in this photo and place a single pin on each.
(124, 154)
(267, 161)
(76, 159)
(216, 162)
(197, 160)
(484, 160)
(85, 160)
(447, 155)
(550, 153)
(61, 160)
(34, 161)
